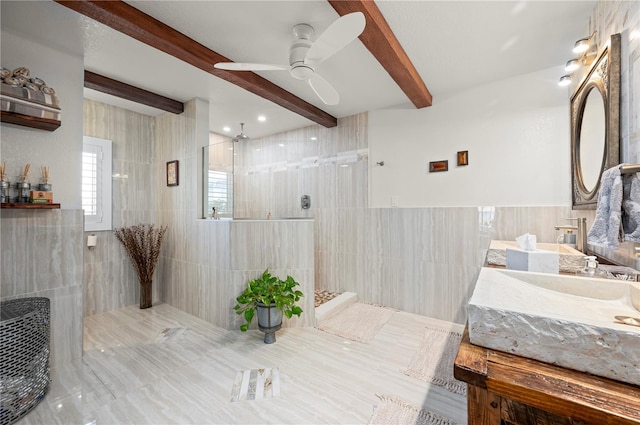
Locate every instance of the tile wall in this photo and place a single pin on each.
(110, 281)
(187, 244)
(206, 263)
(42, 257)
(420, 260)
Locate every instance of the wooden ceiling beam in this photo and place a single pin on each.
(135, 94)
(385, 47)
(130, 21)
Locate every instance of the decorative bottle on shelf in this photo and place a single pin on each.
(23, 189)
(5, 188)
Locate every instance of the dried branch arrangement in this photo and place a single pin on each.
(45, 174)
(143, 243)
(25, 174)
(3, 171)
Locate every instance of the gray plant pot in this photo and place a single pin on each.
(269, 321)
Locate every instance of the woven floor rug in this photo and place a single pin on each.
(397, 412)
(433, 361)
(359, 322)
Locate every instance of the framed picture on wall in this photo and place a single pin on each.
(437, 166)
(463, 158)
(173, 174)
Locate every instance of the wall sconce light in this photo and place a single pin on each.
(572, 65)
(587, 50)
(565, 80)
(582, 45)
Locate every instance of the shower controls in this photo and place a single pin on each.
(305, 202)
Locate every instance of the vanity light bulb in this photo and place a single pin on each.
(565, 80)
(581, 46)
(572, 65)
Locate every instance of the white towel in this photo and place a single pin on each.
(605, 231)
(631, 205)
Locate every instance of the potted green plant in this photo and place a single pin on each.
(269, 297)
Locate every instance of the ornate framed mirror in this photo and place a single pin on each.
(595, 126)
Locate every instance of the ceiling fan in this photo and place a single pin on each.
(305, 54)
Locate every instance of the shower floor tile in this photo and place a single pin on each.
(322, 296)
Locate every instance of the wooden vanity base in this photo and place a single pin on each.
(511, 390)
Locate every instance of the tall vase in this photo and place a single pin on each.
(146, 294)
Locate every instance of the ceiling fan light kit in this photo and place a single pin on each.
(305, 54)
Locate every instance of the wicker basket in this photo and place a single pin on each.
(24, 356)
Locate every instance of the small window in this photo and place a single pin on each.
(96, 183)
(220, 193)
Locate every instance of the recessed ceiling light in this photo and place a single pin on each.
(314, 138)
(226, 129)
(281, 145)
(262, 118)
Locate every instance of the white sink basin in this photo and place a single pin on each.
(570, 259)
(564, 320)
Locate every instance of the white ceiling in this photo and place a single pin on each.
(453, 44)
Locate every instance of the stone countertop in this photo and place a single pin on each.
(570, 259)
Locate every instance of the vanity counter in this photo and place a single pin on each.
(519, 391)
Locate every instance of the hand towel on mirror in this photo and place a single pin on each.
(605, 231)
(631, 206)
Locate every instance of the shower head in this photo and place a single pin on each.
(241, 137)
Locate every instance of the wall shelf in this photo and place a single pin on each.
(29, 121)
(28, 206)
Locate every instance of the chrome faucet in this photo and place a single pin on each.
(581, 232)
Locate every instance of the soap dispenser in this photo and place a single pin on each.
(590, 268)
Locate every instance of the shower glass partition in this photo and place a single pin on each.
(218, 177)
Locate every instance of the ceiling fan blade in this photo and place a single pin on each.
(340, 33)
(324, 90)
(237, 66)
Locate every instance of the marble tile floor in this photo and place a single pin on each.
(132, 373)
